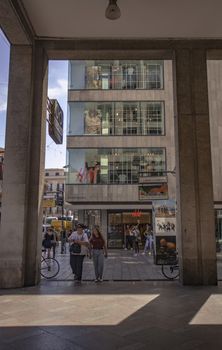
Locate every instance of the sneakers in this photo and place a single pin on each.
(98, 280)
(78, 281)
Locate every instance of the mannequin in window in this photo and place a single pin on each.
(92, 122)
(96, 178)
(131, 77)
(88, 174)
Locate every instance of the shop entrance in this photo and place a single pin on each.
(120, 221)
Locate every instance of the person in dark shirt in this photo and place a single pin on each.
(99, 250)
(49, 242)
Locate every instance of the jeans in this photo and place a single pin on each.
(98, 262)
(148, 245)
(76, 262)
(136, 246)
(128, 242)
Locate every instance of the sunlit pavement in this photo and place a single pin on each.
(121, 265)
(111, 315)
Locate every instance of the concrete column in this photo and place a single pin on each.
(21, 225)
(196, 232)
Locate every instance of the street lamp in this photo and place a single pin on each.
(113, 10)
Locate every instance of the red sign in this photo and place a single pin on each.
(136, 214)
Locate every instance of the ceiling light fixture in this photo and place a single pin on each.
(113, 10)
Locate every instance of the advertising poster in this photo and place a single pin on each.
(164, 224)
(153, 191)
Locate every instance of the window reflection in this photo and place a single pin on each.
(105, 75)
(116, 118)
(114, 166)
(93, 121)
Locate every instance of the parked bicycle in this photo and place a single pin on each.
(49, 267)
(170, 266)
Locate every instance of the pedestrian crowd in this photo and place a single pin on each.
(133, 238)
(82, 242)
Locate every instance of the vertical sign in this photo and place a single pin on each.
(164, 227)
(55, 121)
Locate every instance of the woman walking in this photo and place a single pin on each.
(78, 249)
(49, 242)
(99, 250)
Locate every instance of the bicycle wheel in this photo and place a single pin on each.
(49, 268)
(170, 271)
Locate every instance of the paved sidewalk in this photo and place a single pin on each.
(121, 265)
(111, 315)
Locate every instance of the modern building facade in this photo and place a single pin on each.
(120, 142)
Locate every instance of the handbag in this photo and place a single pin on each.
(46, 244)
(75, 248)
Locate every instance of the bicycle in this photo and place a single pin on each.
(49, 267)
(170, 267)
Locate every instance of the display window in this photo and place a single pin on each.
(116, 118)
(114, 165)
(118, 74)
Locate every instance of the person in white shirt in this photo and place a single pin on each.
(80, 240)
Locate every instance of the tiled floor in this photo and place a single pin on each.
(121, 265)
(112, 315)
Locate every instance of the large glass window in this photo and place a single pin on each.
(104, 75)
(116, 118)
(114, 166)
(152, 118)
(91, 118)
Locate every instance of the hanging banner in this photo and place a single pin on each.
(164, 227)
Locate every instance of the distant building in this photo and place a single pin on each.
(54, 188)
